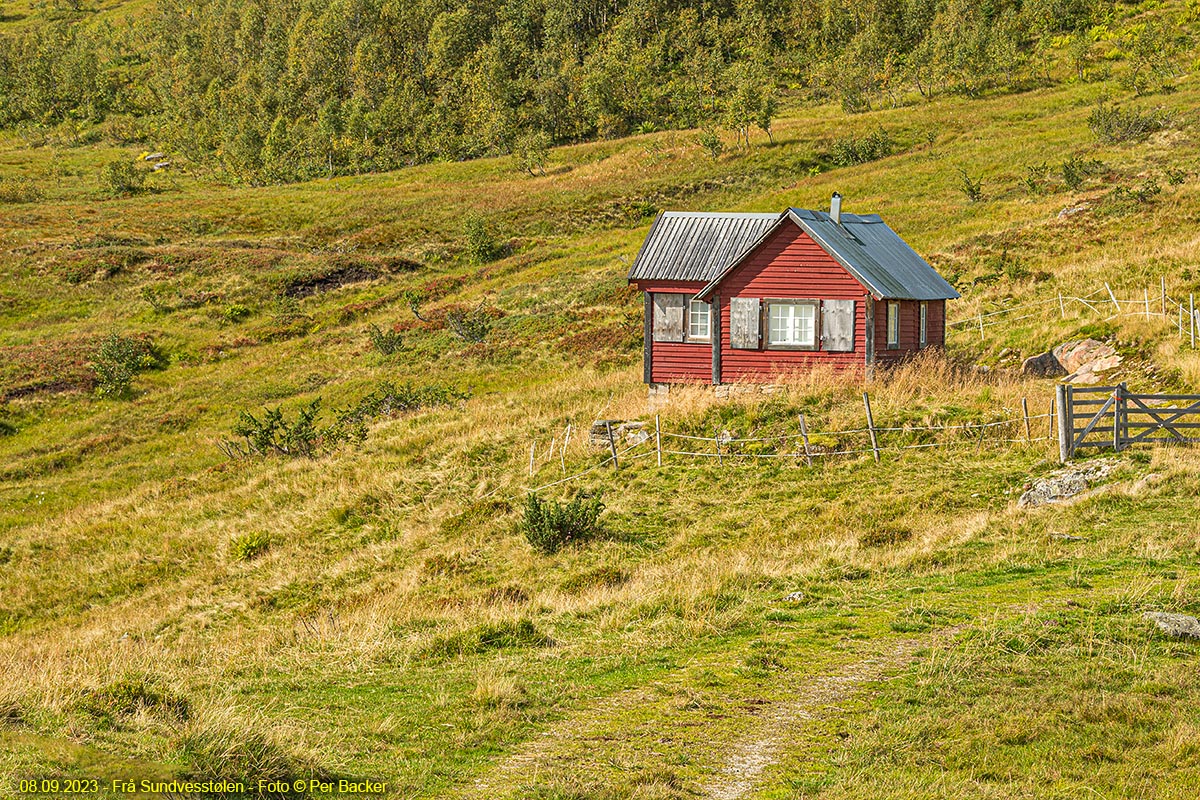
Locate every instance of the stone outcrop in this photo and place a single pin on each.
(1082, 362)
(1178, 626)
(1065, 483)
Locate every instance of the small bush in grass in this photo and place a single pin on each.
(1112, 125)
(710, 140)
(249, 545)
(19, 190)
(971, 187)
(851, 150)
(550, 525)
(385, 342)
(118, 359)
(303, 435)
(122, 177)
(481, 246)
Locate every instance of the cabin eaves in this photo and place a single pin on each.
(697, 246)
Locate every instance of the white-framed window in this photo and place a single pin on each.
(792, 324)
(893, 325)
(699, 321)
(923, 332)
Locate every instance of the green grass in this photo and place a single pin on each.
(377, 612)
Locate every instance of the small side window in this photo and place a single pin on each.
(698, 321)
(893, 326)
(923, 338)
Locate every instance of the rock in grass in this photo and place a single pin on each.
(1065, 483)
(1044, 365)
(1179, 626)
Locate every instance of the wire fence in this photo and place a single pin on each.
(805, 446)
(1181, 314)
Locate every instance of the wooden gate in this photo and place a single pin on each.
(1112, 416)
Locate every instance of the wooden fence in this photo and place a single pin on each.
(1112, 416)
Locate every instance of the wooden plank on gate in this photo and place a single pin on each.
(1165, 424)
(1091, 426)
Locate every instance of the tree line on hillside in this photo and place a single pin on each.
(280, 90)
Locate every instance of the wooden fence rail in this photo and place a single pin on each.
(1112, 416)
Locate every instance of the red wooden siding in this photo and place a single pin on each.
(789, 265)
(679, 362)
(910, 329)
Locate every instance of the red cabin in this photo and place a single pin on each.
(744, 297)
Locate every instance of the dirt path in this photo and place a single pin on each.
(568, 747)
(748, 758)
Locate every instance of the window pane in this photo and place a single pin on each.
(792, 324)
(893, 323)
(698, 320)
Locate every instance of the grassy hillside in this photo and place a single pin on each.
(755, 628)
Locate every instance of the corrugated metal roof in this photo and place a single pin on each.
(876, 255)
(697, 246)
(869, 250)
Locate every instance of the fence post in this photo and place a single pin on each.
(1112, 297)
(871, 420)
(562, 453)
(532, 449)
(1062, 307)
(717, 442)
(980, 326)
(1050, 417)
(804, 436)
(1025, 413)
(1065, 433)
(1147, 297)
(658, 439)
(1163, 282)
(1192, 317)
(612, 444)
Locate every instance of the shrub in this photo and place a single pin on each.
(531, 151)
(1035, 178)
(711, 142)
(471, 325)
(249, 545)
(275, 434)
(386, 342)
(481, 246)
(549, 525)
(19, 190)
(118, 359)
(971, 187)
(1111, 125)
(122, 177)
(1076, 170)
(850, 150)
(1125, 199)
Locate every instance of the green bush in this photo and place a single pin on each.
(481, 246)
(850, 150)
(122, 177)
(971, 187)
(550, 526)
(118, 359)
(304, 436)
(711, 142)
(386, 342)
(19, 190)
(1111, 125)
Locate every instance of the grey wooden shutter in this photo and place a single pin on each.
(837, 325)
(744, 323)
(668, 317)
